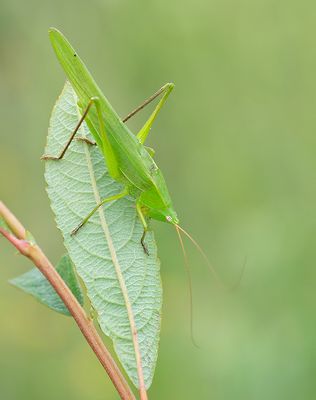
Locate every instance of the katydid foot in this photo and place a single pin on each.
(86, 140)
(142, 241)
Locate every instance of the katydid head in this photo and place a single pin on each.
(163, 214)
(172, 217)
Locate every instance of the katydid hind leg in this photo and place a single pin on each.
(142, 134)
(107, 149)
(144, 103)
(106, 200)
(71, 137)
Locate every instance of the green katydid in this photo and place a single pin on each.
(128, 160)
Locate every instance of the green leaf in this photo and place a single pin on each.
(34, 283)
(106, 251)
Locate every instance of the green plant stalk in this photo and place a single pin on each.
(18, 237)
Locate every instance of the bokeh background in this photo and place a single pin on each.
(236, 142)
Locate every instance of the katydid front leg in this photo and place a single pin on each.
(116, 197)
(145, 225)
(106, 200)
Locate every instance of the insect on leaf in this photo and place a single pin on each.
(106, 251)
(34, 283)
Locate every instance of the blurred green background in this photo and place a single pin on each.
(236, 143)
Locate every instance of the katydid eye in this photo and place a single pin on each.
(168, 218)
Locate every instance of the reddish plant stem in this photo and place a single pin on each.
(36, 255)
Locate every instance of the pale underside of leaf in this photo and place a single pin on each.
(106, 252)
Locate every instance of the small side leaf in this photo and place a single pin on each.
(34, 283)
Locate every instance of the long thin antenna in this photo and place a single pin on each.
(210, 266)
(187, 268)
